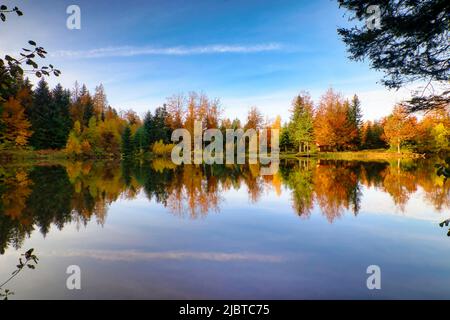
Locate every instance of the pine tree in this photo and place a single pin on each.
(60, 122)
(160, 124)
(301, 128)
(139, 140)
(355, 119)
(87, 105)
(285, 141)
(148, 130)
(127, 143)
(39, 116)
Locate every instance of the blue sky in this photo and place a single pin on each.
(245, 52)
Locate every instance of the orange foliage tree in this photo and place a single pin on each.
(332, 127)
(399, 127)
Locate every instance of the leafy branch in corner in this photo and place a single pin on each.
(15, 66)
(410, 45)
(4, 10)
(443, 169)
(29, 260)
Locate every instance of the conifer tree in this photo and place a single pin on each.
(355, 119)
(39, 116)
(127, 143)
(60, 123)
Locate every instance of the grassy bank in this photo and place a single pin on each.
(10, 155)
(44, 155)
(368, 155)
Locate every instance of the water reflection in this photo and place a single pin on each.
(37, 197)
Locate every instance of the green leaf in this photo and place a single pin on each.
(31, 42)
(3, 7)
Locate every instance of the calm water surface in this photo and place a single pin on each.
(225, 232)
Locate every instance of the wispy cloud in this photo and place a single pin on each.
(132, 255)
(129, 51)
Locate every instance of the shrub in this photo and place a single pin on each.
(161, 149)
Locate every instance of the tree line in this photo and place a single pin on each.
(84, 125)
(336, 124)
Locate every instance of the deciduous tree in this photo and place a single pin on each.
(399, 126)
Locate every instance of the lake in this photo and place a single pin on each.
(159, 231)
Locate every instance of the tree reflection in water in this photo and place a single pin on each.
(36, 197)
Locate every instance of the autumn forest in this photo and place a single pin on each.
(83, 125)
(93, 204)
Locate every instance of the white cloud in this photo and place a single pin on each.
(133, 255)
(379, 103)
(129, 51)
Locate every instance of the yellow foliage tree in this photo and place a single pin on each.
(17, 127)
(73, 146)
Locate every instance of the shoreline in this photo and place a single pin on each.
(368, 155)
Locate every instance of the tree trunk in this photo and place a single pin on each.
(398, 146)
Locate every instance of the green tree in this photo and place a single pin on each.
(301, 128)
(155, 128)
(60, 122)
(139, 140)
(39, 116)
(355, 119)
(285, 141)
(87, 105)
(127, 143)
(148, 126)
(161, 131)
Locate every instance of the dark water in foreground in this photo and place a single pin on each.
(160, 231)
